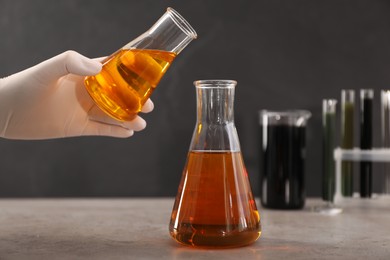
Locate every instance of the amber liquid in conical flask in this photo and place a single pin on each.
(214, 205)
(127, 80)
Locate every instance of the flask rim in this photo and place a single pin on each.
(215, 83)
(182, 23)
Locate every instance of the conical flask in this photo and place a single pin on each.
(214, 205)
(130, 75)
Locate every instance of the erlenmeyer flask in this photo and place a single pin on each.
(214, 206)
(130, 75)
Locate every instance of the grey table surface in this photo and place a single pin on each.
(137, 228)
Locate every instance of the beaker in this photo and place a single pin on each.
(214, 205)
(130, 75)
(282, 157)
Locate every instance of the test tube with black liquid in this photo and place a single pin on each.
(366, 103)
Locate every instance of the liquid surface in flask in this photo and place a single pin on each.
(127, 80)
(215, 206)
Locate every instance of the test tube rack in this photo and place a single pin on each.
(356, 154)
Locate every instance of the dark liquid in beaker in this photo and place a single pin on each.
(214, 206)
(282, 156)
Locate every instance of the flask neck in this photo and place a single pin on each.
(170, 33)
(174, 32)
(215, 129)
(215, 103)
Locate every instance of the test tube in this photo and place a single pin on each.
(385, 125)
(366, 103)
(347, 135)
(328, 133)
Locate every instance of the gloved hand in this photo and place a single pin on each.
(49, 100)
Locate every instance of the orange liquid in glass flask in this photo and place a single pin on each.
(127, 80)
(214, 206)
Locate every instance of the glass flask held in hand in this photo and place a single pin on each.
(130, 75)
(214, 205)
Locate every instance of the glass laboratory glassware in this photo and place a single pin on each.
(130, 75)
(347, 135)
(328, 163)
(214, 205)
(282, 156)
(366, 105)
(385, 124)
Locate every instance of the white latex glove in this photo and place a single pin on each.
(49, 100)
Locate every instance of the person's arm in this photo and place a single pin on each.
(49, 100)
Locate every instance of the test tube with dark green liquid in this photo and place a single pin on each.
(347, 135)
(328, 141)
(366, 103)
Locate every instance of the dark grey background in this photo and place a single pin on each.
(284, 54)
